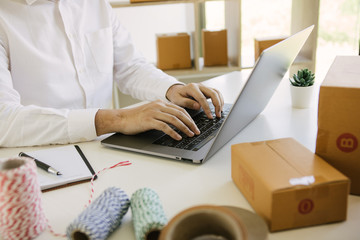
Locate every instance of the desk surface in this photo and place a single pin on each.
(182, 185)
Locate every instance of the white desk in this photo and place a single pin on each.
(182, 185)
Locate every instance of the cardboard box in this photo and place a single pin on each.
(173, 51)
(288, 185)
(263, 43)
(338, 137)
(214, 45)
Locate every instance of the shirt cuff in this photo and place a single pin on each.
(81, 125)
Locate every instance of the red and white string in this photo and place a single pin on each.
(21, 211)
(92, 190)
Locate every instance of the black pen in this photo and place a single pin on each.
(41, 164)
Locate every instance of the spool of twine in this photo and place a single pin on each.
(210, 222)
(101, 217)
(205, 222)
(148, 214)
(21, 211)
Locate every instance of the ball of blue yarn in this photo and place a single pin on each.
(101, 217)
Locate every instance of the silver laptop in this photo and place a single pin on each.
(268, 71)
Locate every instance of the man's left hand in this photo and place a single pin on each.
(194, 96)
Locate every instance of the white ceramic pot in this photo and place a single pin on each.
(301, 97)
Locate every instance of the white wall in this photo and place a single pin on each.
(144, 22)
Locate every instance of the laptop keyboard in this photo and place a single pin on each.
(208, 128)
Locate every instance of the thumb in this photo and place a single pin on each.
(190, 103)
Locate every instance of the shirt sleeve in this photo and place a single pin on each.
(132, 73)
(33, 125)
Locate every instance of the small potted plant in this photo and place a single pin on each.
(301, 85)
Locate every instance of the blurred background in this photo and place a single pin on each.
(338, 27)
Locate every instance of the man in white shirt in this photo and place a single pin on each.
(58, 61)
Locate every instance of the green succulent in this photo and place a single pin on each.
(303, 78)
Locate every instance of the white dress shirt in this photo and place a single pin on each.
(58, 61)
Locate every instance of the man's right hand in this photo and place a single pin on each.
(155, 115)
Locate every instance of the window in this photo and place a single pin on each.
(339, 32)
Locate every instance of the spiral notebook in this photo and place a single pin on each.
(69, 160)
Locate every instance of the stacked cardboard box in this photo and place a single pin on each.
(173, 51)
(214, 45)
(288, 185)
(338, 137)
(263, 43)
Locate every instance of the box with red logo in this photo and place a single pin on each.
(288, 185)
(339, 118)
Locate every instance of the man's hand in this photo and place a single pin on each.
(155, 115)
(194, 96)
(159, 115)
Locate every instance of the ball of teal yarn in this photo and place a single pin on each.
(147, 213)
(101, 217)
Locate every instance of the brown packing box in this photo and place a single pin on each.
(263, 43)
(173, 51)
(272, 175)
(215, 47)
(338, 137)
